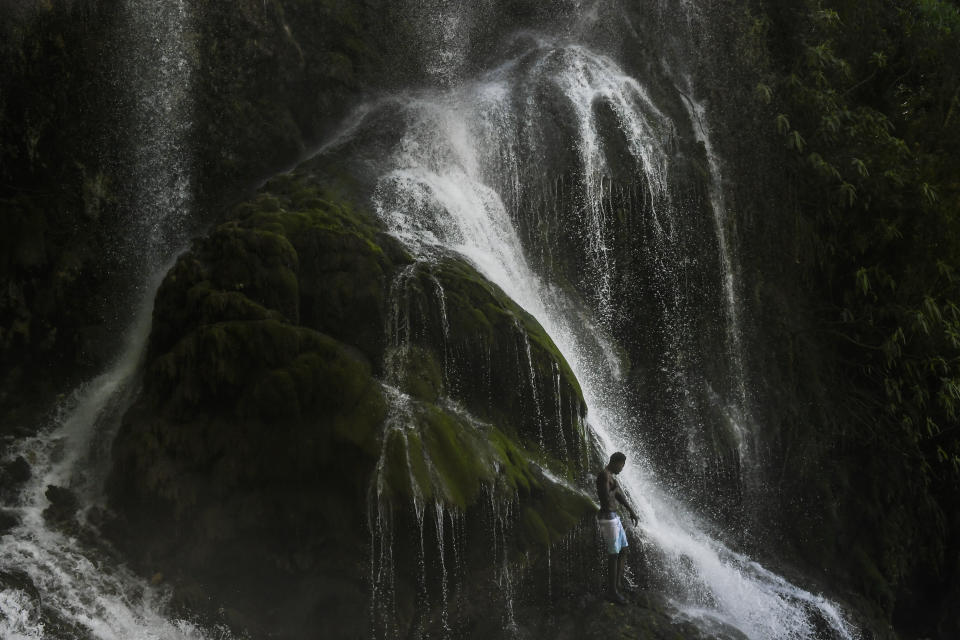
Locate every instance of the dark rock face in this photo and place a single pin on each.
(15, 472)
(245, 468)
(57, 201)
(63, 504)
(12, 475)
(8, 521)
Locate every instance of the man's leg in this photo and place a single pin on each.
(612, 574)
(621, 563)
(613, 569)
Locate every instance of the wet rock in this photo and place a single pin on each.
(12, 475)
(15, 580)
(647, 614)
(8, 520)
(15, 472)
(63, 505)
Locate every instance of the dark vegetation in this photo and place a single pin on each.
(855, 131)
(57, 201)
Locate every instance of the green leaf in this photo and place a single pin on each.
(763, 93)
(849, 192)
(863, 280)
(894, 177)
(860, 167)
(828, 17)
(831, 122)
(931, 309)
(946, 271)
(921, 322)
(929, 192)
(783, 123)
(796, 141)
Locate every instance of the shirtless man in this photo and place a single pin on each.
(611, 529)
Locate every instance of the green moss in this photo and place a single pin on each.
(489, 373)
(24, 227)
(227, 305)
(441, 453)
(419, 470)
(396, 471)
(455, 456)
(533, 527)
(562, 508)
(514, 465)
(420, 373)
(874, 584)
(274, 398)
(269, 337)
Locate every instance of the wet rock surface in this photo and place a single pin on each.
(646, 615)
(15, 472)
(63, 505)
(20, 581)
(8, 520)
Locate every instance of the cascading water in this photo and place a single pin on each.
(451, 184)
(69, 586)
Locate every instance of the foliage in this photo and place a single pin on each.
(866, 96)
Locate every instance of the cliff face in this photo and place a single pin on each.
(58, 202)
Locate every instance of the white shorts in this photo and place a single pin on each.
(614, 537)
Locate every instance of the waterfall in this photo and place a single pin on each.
(73, 587)
(448, 185)
(507, 169)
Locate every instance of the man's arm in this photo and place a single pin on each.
(603, 489)
(622, 499)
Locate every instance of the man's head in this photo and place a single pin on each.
(617, 461)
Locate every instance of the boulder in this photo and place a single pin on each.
(282, 417)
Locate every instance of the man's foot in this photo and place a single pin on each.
(616, 598)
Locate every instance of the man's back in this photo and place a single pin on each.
(607, 489)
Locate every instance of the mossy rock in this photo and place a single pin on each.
(495, 357)
(438, 453)
(261, 368)
(279, 390)
(294, 253)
